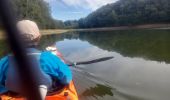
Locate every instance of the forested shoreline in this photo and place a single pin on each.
(121, 13)
(128, 13)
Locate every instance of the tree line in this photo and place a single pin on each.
(127, 13)
(120, 13)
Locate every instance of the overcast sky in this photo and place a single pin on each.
(74, 9)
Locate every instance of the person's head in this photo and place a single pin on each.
(29, 31)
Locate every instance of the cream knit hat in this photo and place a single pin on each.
(29, 30)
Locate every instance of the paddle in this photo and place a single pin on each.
(89, 62)
(69, 63)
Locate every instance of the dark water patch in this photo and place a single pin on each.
(98, 90)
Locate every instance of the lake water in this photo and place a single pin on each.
(140, 69)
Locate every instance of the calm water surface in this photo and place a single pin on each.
(140, 69)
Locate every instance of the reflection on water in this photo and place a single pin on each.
(148, 44)
(98, 90)
(140, 69)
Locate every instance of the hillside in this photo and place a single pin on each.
(37, 10)
(128, 13)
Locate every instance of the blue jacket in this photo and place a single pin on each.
(49, 63)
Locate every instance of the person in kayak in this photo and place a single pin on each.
(53, 71)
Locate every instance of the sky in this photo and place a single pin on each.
(74, 9)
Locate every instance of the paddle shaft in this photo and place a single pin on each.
(29, 79)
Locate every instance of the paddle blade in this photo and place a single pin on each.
(92, 61)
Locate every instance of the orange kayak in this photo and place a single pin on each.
(67, 93)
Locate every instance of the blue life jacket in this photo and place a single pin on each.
(49, 64)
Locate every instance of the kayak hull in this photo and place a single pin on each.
(69, 93)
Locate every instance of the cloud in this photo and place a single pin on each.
(74, 9)
(75, 12)
(85, 4)
(95, 4)
(88, 4)
(49, 1)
